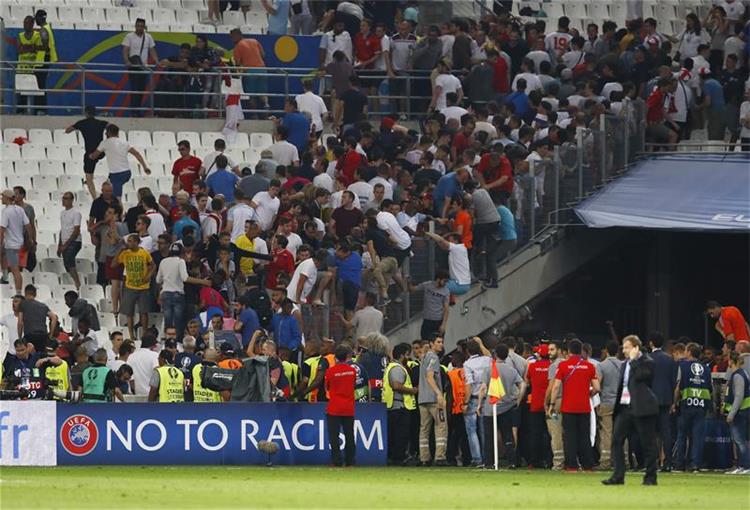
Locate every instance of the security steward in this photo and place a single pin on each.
(201, 394)
(99, 381)
(693, 397)
(314, 370)
(167, 382)
(30, 50)
(50, 52)
(399, 397)
(636, 411)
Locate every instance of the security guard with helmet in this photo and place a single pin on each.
(399, 397)
(201, 394)
(167, 382)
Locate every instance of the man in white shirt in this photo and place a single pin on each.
(361, 189)
(383, 177)
(304, 277)
(237, 216)
(116, 150)
(209, 161)
(527, 73)
(157, 226)
(333, 41)
(453, 111)
(10, 322)
(445, 83)
(143, 362)
(13, 224)
(388, 222)
(284, 152)
(285, 229)
(136, 48)
(458, 262)
(556, 43)
(322, 180)
(313, 104)
(69, 242)
(538, 55)
(266, 205)
(171, 278)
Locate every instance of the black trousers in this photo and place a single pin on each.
(335, 425)
(414, 433)
(485, 242)
(429, 328)
(645, 426)
(138, 83)
(458, 441)
(41, 81)
(666, 440)
(539, 441)
(505, 427)
(399, 422)
(576, 443)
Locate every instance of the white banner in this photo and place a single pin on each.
(28, 431)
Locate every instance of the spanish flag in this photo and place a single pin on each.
(496, 391)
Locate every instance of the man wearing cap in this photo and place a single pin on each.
(13, 224)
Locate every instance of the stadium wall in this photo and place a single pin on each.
(104, 47)
(51, 433)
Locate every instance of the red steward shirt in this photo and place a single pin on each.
(366, 47)
(492, 174)
(538, 378)
(339, 381)
(187, 170)
(576, 375)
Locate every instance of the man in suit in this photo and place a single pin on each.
(665, 379)
(636, 409)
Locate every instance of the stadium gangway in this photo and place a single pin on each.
(280, 84)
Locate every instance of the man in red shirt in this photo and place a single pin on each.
(730, 323)
(463, 138)
(187, 168)
(283, 261)
(339, 384)
(577, 377)
(536, 377)
(656, 129)
(350, 161)
(500, 81)
(367, 46)
(495, 173)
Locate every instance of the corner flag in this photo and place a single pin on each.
(496, 391)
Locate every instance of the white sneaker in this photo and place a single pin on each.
(735, 471)
(744, 472)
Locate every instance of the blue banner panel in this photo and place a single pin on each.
(210, 434)
(108, 87)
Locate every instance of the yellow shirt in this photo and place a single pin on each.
(246, 263)
(136, 268)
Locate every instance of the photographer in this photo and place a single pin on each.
(26, 370)
(99, 382)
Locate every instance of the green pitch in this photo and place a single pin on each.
(321, 487)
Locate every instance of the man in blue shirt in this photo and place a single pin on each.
(348, 266)
(222, 181)
(278, 15)
(185, 221)
(519, 99)
(714, 105)
(507, 231)
(247, 322)
(286, 330)
(297, 124)
(448, 186)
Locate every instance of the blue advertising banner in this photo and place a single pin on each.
(101, 85)
(210, 434)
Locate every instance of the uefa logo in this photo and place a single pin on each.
(79, 435)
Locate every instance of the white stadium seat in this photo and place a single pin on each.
(140, 12)
(49, 279)
(117, 15)
(60, 137)
(45, 182)
(58, 152)
(209, 137)
(235, 18)
(52, 167)
(40, 136)
(164, 139)
(261, 140)
(70, 182)
(26, 167)
(164, 16)
(139, 139)
(10, 134)
(69, 13)
(192, 137)
(10, 151)
(33, 151)
(242, 141)
(16, 180)
(85, 266)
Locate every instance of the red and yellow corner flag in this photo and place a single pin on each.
(496, 391)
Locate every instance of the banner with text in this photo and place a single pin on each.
(27, 433)
(210, 434)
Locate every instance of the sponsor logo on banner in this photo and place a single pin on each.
(79, 435)
(210, 434)
(27, 433)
